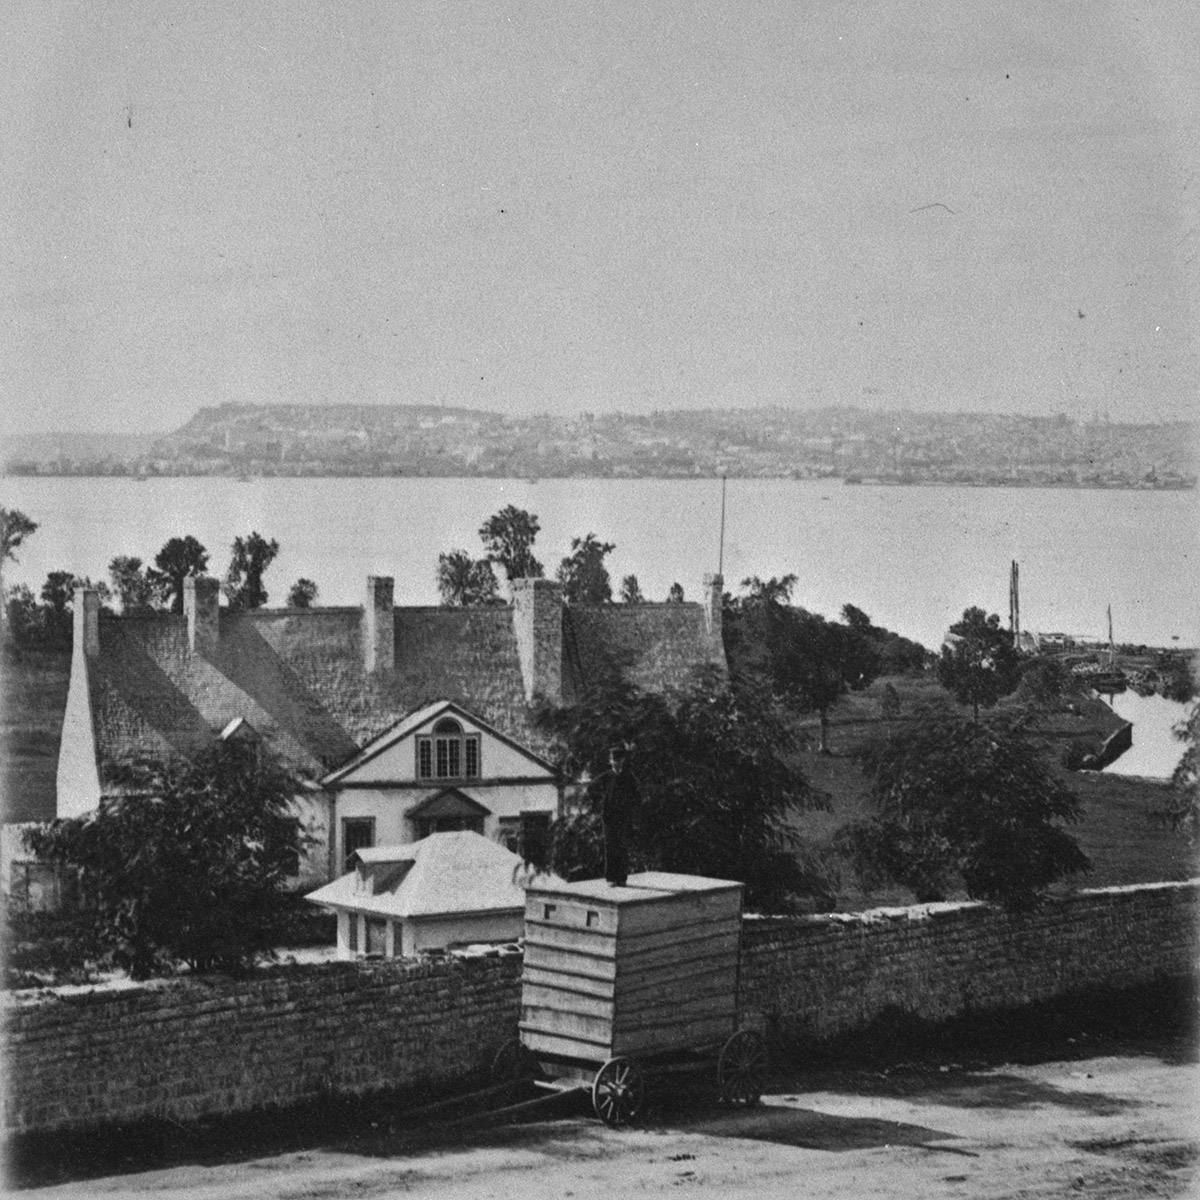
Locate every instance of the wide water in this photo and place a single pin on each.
(911, 557)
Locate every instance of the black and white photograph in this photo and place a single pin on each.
(600, 599)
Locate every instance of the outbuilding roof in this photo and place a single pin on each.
(442, 875)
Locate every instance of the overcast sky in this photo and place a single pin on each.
(616, 205)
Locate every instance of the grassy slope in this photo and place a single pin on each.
(1118, 831)
(33, 697)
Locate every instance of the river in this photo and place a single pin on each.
(911, 557)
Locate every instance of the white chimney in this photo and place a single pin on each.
(87, 622)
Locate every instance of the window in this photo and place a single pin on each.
(352, 932)
(376, 935)
(527, 835)
(448, 753)
(358, 833)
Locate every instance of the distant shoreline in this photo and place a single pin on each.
(1186, 485)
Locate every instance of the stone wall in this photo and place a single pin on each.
(819, 977)
(186, 1048)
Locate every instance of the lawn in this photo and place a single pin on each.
(1120, 830)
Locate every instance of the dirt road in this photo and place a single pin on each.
(1106, 1127)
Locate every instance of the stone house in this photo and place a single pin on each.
(401, 721)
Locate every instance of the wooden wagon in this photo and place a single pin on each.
(619, 982)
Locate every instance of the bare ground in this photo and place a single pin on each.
(1118, 1125)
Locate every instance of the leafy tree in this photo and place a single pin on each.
(631, 592)
(1183, 813)
(508, 538)
(719, 788)
(22, 616)
(303, 594)
(15, 527)
(675, 593)
(979, 664)
(807, 661)
(961, 804)
(132, 584)
(251, 556)
(1044, 681)
(463, 581)
(179, 558)
(190, 866)
(58, 600)
(897, 655)
(583, 574)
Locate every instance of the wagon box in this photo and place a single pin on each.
(645, 968)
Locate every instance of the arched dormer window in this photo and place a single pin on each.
(448, 753)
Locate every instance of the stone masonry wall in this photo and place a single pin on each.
(186, 1048)
(827, 975)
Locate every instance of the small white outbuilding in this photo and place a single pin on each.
(447, 889)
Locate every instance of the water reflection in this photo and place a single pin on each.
(1155, 751)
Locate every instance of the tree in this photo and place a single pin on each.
(979, 664)
(58, 599)
(250, 557)
(463, 581)
(132, 584)
(675, 593)
(508, 538)
(719, 786)
(190, 866)
(631, 592)
(1183, 813)
(303, 594)
(179, 558)
(807, 661)
(583, 574)
(15, 527)
(960, 804)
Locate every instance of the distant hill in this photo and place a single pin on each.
(857, 445)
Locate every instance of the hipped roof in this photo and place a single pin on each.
(441, 875)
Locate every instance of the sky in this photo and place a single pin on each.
(565, 207)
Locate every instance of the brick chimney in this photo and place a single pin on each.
(379, 624)
(711, 590)
(202, 607)
(538, 625)
(87, 622)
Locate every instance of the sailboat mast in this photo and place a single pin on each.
(721, 548)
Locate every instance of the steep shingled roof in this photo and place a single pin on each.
(298, 676)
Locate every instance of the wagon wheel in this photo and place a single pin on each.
(742, 1068)
(514, 1063)
(619, 1091)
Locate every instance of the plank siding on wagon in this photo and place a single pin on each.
(644, 968)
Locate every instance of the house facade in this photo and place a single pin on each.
(399, 721)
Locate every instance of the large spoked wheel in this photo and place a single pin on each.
(619, 1091)
(514, 1063)
(742, 1068)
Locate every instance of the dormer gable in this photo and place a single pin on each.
(440, 744)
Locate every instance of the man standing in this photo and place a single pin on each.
(619, 803)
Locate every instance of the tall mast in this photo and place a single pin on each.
(721, 549)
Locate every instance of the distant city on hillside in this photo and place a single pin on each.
(855, 445)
